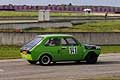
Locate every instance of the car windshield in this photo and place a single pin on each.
(32, 43)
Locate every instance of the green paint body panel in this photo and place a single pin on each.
(58, 53)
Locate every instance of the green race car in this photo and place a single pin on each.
(48, 49)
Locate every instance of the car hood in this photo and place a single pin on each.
(88, 46)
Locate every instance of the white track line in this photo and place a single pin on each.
(1, 70)
(11, 60)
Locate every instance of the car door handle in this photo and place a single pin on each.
(64, 47)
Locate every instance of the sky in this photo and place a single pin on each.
(74, 2)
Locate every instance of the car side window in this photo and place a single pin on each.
(53, 42)
(63, 42)
(71, 41)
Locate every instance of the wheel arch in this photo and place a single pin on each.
(45, 53)
(89, 53)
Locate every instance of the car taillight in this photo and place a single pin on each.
(25, 52)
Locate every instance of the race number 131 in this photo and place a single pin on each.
(72, 50)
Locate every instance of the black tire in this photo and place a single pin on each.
(45, 60)
(91, 58)
(32, 62)
(77, 62)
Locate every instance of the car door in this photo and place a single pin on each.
(70, 49)
(52, 46)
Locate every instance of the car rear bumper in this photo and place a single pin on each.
(26, 56)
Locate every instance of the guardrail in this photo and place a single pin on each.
(33, 24)
(62, 18)
(65, 21)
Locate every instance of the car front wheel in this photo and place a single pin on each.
(45, 60)
(91, 58)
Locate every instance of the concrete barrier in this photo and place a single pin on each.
(104, 38)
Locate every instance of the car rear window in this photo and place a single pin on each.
(32, 43)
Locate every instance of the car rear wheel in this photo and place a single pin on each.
(45, 60)
(91, 58)
(32, 62)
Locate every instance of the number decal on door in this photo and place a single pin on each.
(72, 50)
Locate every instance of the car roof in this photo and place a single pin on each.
(54, 35)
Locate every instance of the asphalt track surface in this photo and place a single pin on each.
(108, 66)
